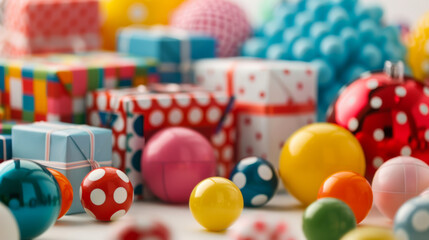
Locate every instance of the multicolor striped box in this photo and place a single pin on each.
(53, 87)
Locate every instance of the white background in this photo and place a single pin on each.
(403, 11)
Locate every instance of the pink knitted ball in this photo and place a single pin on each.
(397, 181)
(174, 161)
(221, 19)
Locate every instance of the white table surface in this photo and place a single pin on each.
(181, 223)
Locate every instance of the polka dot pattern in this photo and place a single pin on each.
(353, 124)
(401, 118)
(109, 194)
(378, 135)
(400, 91)
(420, 221)
(239, 179)
(120, 195)
(259, 200)
(406, 151)
(96, 175)
(376, 102)
(178, 109)
(118, 215)
(265, 172)
(372, 84)
(98, 196)
(122, 176)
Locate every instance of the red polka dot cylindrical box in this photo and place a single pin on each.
(135, 114)
(273, 99)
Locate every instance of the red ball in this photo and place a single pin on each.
(66, 191)
(388, 114)
(106, 193)
(351, 188)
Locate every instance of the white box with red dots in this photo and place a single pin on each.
(272, 100)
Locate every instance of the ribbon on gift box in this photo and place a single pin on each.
(2, 138)
(161, 88)
(264, 109)
(67, 166)
(185, 65)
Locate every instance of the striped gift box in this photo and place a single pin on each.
(53, 87)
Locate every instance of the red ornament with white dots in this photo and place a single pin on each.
(389, 115)
(106, 193)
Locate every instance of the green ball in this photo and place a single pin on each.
(327, 218)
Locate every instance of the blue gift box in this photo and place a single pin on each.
(68, 147)
(174, 49)
(5, 147)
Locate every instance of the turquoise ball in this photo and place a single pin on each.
(32, 194)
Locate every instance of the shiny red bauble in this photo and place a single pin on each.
(389, 115)
(106, 193)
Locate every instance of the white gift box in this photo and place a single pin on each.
(273, 99)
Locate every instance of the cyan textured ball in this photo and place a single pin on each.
(257, 180)
(344, 34)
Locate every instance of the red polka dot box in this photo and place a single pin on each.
(135, 114)
(272, 99)
(40, 26)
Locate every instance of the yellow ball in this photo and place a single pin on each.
(315, 152)
(418, 49)
(216, 203)
(369, 233)
(121, 13)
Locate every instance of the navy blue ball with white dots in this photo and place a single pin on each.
(256, 179)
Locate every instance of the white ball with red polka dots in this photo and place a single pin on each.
(261, 228)
(106, 194)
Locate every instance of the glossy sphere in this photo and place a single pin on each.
(8, 226)
(216, 203)
(106, 194)
(389, 117)
(66, 191)
(256, 179)
(327, 218)
(397, 181)
(411, 220)
(208, 17)
(418, 49)
(370, 233)
(121, 13)
(32, 194)
(351, 188)
(315, 152)
(174, 161)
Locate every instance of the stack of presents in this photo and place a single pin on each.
(56, 80)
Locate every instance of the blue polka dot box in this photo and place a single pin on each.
(135, 114)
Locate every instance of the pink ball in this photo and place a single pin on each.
(174, 161)
(221, 19)
(398, 180)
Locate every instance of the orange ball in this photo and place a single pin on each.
(351, 188)
(66, 191)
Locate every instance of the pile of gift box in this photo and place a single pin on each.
(236, 103)
(93, 62)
